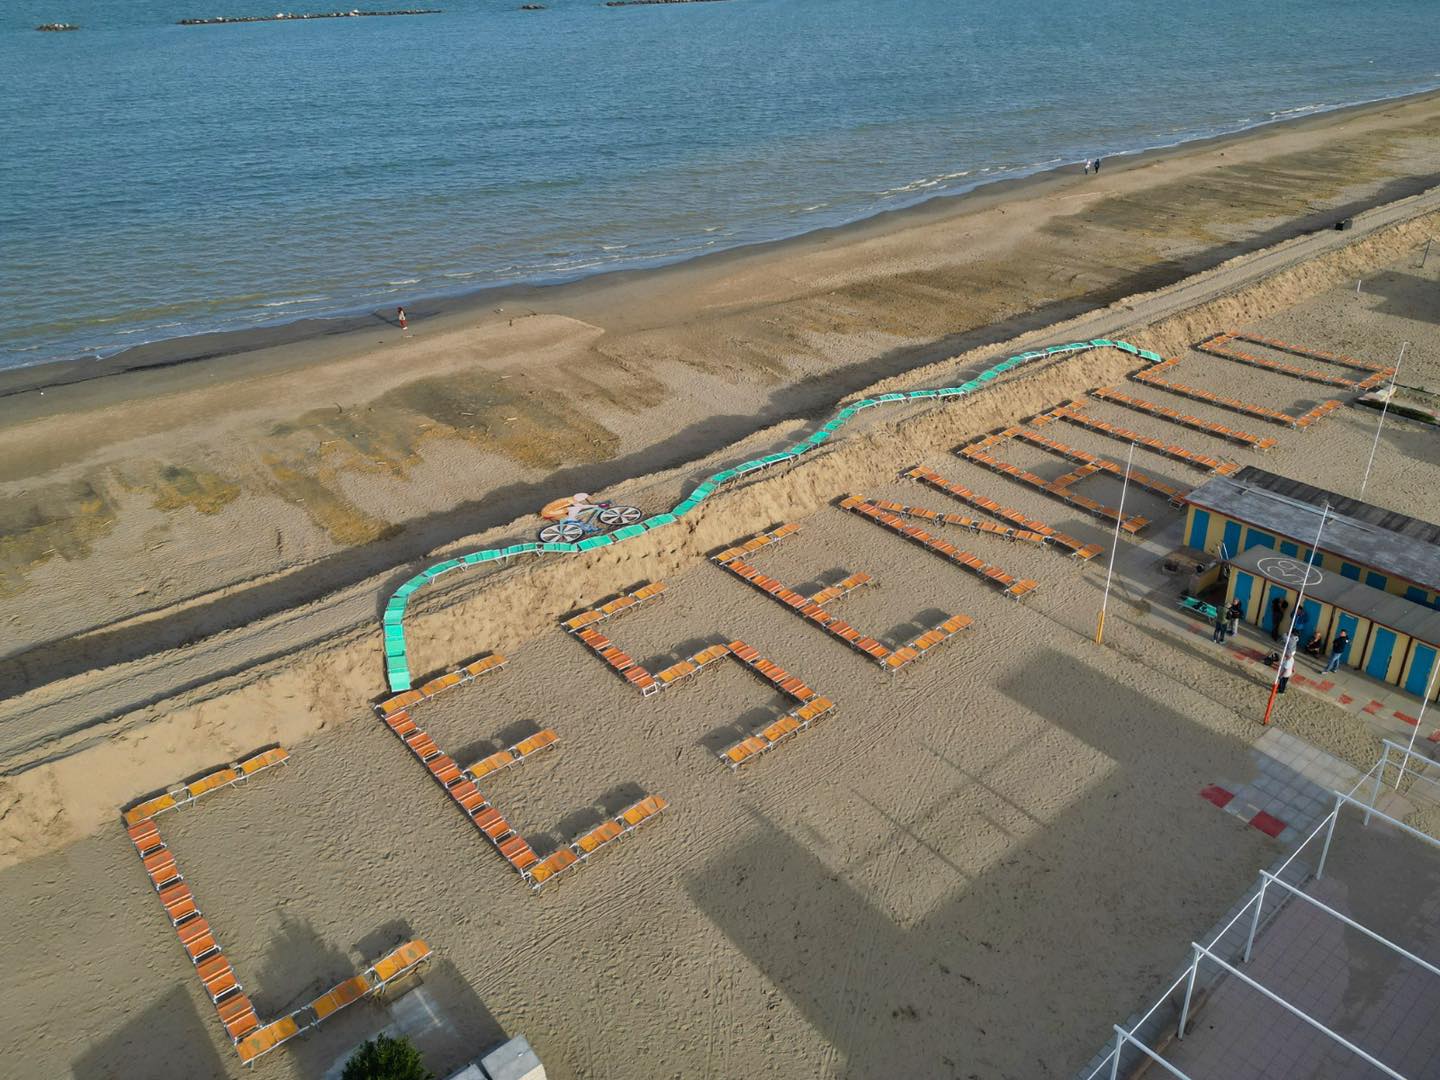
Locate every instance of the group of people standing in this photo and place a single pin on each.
(1227, 623)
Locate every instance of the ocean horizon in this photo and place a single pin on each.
(164, 181)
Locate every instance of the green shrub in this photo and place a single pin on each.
(384, 1058)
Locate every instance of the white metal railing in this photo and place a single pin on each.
(1255, 906)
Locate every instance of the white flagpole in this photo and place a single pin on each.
(1383, 410)
(1119, 517)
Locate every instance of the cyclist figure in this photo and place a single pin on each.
(580, 508)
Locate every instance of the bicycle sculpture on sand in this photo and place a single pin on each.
(576, 517)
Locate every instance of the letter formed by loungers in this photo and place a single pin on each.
(253, 1038)
(809, 709)
(812, 608)
(460, 782)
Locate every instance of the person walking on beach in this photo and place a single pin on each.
(1233, 616)
(402, 320)
(1222, 624)
(1088, 164)
(1337, 650)
(1278, 607)
(1097, 166)
(1287, 669)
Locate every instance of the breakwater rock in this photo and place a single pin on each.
(57, 26)
(288, 17)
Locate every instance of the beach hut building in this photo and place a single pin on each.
(1375, 572)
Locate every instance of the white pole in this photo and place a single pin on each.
(1383, 410)
(1110, 571)
(1295, 613)
(1429, 689)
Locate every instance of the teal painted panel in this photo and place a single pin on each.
(1287, 548)
(1375, 580)
(1350, 570)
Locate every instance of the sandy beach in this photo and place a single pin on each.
(973, 868)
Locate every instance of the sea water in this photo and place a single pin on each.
(158, 180)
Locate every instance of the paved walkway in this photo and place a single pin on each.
(1293, 788)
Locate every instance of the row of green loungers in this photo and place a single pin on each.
(397, 668)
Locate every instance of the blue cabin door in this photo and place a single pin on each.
(1231, 539)
(1348, 623)
(1382, 645)
(1199, 529)
(1243, 582)
(1269, 616)
(1420, 667)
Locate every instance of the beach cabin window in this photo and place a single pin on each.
(1256, 538)
(1350, 570)
(1287, 548)
(1419, 595)
(1376, 581)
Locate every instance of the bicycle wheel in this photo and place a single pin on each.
(562, 532)
(620, 515)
